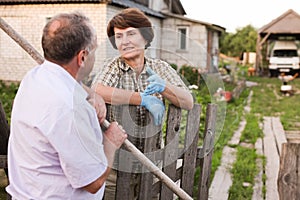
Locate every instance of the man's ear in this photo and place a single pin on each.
(81, 57)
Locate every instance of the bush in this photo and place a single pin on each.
(7, 95)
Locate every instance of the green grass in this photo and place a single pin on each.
(268, 101)
(244, 171)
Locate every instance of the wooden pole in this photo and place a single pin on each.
(21, 41)
(130, 147)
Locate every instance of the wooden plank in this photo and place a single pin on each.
(124, 160)
(124, 179)
(171, 153)
(222, 180)
(272, 160)
(289, 178)
(191, 145)
(208, 144)
(146, 186)
(152, 143)
(293, 136)
(258, 180)
(279, 133)
(235, 140)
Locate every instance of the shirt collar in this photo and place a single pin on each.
(125, 67)
(71, 83)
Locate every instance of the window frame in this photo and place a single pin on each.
(180, 37)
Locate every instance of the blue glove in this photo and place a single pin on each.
(154, 106)
(157, 84)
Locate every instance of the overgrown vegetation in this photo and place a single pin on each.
(7, 94)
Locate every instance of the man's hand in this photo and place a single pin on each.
(157, 84)
(114, 137)
(154, 106)
(98, 103)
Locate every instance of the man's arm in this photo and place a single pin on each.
(114, 137)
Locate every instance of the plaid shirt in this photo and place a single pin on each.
(116, 73)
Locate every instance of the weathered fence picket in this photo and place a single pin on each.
(289, 172)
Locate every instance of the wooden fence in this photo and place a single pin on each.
(185, 151)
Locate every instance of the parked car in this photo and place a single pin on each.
(284, 58)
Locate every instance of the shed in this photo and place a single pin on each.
(285, 27)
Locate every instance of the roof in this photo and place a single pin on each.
(132, 4)
(176, 7)
(122, 3)
(47, 1)
(288, 24)
(209, 25)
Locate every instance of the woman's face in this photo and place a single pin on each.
(130, 42)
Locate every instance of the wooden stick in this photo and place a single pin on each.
(129, 146)
(21, 41)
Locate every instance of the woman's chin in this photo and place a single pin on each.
(130, 55)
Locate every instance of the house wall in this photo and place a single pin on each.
(196, 52)
(28, 21)
(213, 49)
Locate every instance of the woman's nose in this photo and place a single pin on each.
(125, 39)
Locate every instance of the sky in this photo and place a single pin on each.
(234, 14)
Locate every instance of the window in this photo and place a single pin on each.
(182, 38)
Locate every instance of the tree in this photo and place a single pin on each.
(234, 44)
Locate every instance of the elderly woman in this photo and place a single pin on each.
(123, 79)
(133, 79)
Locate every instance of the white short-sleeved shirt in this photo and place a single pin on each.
(55, 145)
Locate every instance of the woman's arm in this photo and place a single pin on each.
(116, 96)
(178, 96)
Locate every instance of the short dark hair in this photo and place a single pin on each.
(63, 41)
(131, 17)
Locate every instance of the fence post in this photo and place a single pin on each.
(289, 178)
